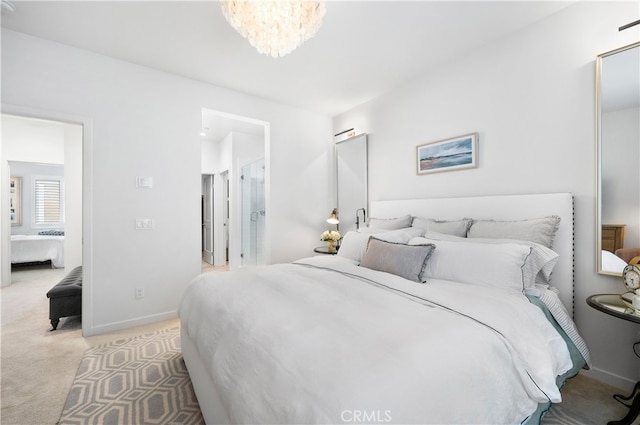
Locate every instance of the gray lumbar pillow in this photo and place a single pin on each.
(408, 261)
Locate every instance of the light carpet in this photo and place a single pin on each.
(558, 415)
(141, 380)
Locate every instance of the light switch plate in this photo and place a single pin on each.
(144, 182)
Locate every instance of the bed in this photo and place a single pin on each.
(37, 248)
(417, 324)
(611, 262)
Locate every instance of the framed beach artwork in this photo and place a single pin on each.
(15, 201)
(448, 155)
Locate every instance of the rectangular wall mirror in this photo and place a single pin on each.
(352, 181)
(618, 158)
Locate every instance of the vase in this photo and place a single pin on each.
(332, 246)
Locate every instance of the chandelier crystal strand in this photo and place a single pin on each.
(275, 27)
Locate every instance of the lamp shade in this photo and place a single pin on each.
(333, 218)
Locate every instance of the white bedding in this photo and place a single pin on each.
(612, 263)
(320, 339)
(32, 248)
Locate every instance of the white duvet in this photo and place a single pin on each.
(32, 248)
(322, 340)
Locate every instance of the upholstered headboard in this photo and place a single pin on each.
(507, 207)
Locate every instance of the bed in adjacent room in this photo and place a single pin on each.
(37, 248)
(441, 311)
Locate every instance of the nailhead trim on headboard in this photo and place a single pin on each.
(573, 258)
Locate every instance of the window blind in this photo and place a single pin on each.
(47, 202)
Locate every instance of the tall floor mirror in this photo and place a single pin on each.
(618, 154)
(352, 177)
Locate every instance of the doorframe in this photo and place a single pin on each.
(221, 231)
(87, 203)
(208, 212)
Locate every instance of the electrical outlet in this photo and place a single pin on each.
(139, 293)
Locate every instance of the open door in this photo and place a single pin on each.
(253, 213)
(207, 218)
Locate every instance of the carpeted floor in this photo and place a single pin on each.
(38, 368)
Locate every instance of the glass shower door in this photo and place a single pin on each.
(253, 213)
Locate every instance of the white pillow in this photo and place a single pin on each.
(400, 235)
(354, 244)
(390, 223)
(449, 227)
(497, 265)
(540, 230)
(539, 264)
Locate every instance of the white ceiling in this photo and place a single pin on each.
(363, 48)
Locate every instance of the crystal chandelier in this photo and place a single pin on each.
(275, 27)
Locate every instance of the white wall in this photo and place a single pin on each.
(73, 196)
(32, 140)
(531, 98)
(147, 123)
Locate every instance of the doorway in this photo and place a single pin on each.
(207, 219)
(45, 156)
(74, 133)
(215, 204)
(230, 142)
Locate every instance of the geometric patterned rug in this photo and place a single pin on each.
(141, 380)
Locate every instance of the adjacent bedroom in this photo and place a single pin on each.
(45, 211)
(37, 214)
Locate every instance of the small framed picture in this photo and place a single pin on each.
(15, 200)
(448, 155)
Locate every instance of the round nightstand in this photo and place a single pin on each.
(613, 305)
(325, 250)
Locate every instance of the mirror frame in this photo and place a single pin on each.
(598, 123)
(347, 214)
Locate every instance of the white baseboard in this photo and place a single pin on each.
(612, 379)
(126, 324)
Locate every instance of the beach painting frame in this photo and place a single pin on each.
(447, 155)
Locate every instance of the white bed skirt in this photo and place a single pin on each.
(208, 398)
